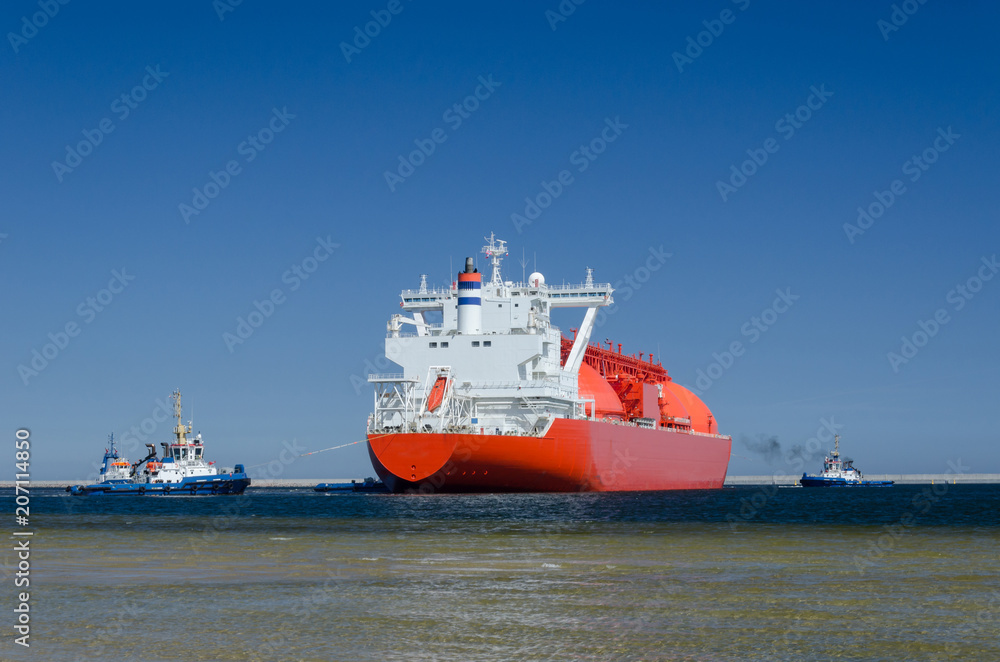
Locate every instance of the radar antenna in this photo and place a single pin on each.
(496, 250)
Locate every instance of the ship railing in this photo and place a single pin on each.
(429, 292)
(708, 434)
(390, 377)
(598, 288)
(633, 424)
(522, 388)
(535, 383)
(508, 431)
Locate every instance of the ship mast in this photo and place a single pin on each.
(836, 445)
(180, 429)
(495, 250)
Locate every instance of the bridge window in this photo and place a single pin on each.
(432, 345)
(487, 343)
(444, 344)
(475, 343)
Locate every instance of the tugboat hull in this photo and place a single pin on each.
(234, 483)
(817, 481)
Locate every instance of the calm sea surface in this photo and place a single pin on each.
(908, 572)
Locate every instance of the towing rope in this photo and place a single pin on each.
(332, 448)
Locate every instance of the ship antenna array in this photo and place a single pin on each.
(495, 250)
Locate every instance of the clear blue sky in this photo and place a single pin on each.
(211, 84)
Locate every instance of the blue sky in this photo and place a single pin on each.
(309, 136)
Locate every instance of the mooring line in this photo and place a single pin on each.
(332, 448)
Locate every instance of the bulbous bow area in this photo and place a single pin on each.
(412, 461)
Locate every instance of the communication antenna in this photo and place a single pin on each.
(524, 263)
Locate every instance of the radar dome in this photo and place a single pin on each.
(536, 279)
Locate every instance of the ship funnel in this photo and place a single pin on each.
(470, 302)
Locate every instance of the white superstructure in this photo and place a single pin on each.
(492, 364)
(185, 458)
(836, 469)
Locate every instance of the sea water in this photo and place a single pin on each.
(751, 573)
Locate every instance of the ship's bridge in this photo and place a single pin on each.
(558, 296)
(424, 298)
(571, 296)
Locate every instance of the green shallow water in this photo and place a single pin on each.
(297, 576)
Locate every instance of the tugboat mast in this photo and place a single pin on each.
(836, 445)
(180, 429)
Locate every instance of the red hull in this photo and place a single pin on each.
(575, 455)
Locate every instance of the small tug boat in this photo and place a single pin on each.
(182, 471)
(369, 485)
(840, 473)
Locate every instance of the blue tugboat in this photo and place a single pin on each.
(182, 471)
(368, 485)
(840, 473)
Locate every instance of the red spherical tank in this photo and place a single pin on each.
(699, 413)
(592, 385)
(671, 406)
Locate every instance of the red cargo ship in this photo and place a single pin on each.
(493, 398)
